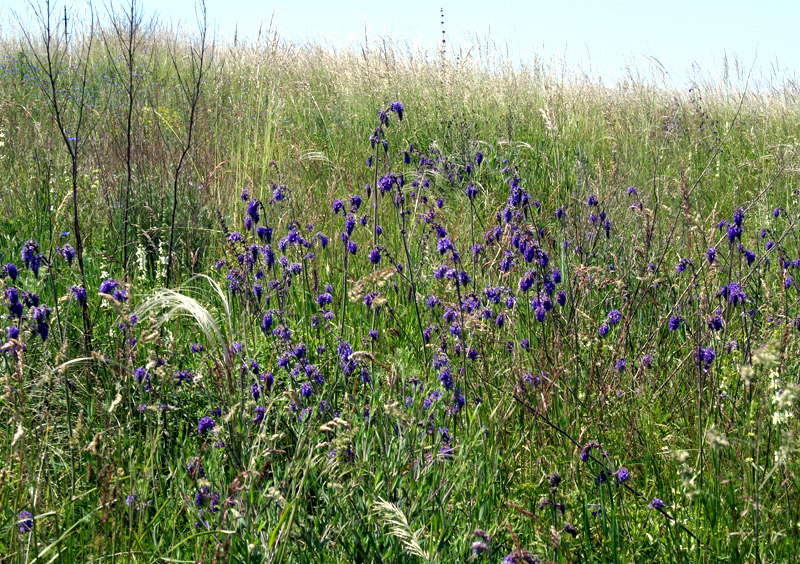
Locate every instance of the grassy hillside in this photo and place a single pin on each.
(270, 302)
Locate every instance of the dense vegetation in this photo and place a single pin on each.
(268, 302)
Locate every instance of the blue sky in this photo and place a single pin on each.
(599, 38)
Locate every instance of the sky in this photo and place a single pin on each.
(667, 41)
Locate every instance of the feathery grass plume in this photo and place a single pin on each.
(396, 522)
(376, 279)
(172, 303)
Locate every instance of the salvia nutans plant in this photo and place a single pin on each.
(265, 302)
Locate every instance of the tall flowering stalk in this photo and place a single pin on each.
(50, 78)
(191, 88)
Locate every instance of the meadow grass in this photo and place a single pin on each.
(573, 338)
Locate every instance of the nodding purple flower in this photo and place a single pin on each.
(369, 161)
(734, 232)
(11, 271)
(682, 264)
(31, 299)
(770, 244)
(235, 237)
(657, 504)
(278, 193)
(374, 256)
(647, 361)
(108, 286)
(14, 305)
(183, 375)
(41, 314)
(245, 195)
(603, 331)
(614, 317)
(369, 298)
(592, 200)
(439, 203)
(750, 256)
(30, 256)
(446, 379)
(738, 216)
(733, 293)
(776, 212)
(78, 294)
(264, 233)
(711, 254)
(355, 203)
(397, 107)
(561, 298)
(25, 521)
(13, 332)
(205, 425)
(715, 323)
(338, 206)
(349, 224)
(788, 281)
(260, 413)
(559, 212)
(632, 191)
(704, 357)
(266, 322)
(142, 376)
(621, 365)
(471, 192)
(323, 239)
(445, 244)
(386, 182)
(68, 253)
(252, 211)
(623, 475)
(197, 348)
(674, 322)
(478, 157)
(544, 259)
(479, 547)
(586, 451)
(352, 248)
